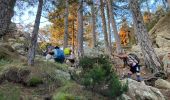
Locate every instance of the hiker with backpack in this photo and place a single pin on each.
(58, 55)
(49, 52)
(69, 56)
(133, 62)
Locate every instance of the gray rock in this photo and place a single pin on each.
(62, 75)
(140, 91)
(17, 46)
(166, 63)
(22, 39)
(124, 97)
(160, 83)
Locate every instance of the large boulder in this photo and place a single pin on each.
(166, 62)
(7, 52)
(140, 91)
(160, 33)
(14, 74)
(124, 97)
(160, 83)
(62, 75)
(20, 42)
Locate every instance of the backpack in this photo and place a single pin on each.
(67, 51)
(133, 58)
(59, 54)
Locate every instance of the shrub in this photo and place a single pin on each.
(34, 81)
(116, 89)
(3, 62)
(65, 96)
(98, 73)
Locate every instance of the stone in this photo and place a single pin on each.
(17, 46)
(160, 33)
(163, 84)
(21, 51)
(140, 91)
(17, 75)
(22, 39)
(11, 40)
(124, 97)
(62, 75)
(166, 63)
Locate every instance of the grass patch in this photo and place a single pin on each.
(9, 92)
(75, 92)
(71, 91)
(2, 63)
(34, 81)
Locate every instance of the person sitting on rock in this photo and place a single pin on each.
(50, 53)
(58, 55)
(133, 62)
(69, 56)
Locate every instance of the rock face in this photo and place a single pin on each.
(166, 62)
(140, 91)
(160, 83)
(160, 33)
(62, 74)
(161, 52)
(19, 41)
(15, 75)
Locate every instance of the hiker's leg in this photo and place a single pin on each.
(138, 77)
(57, 60)
(129, 74)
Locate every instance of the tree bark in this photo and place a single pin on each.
(107, 50)
(6, 13)
(66, 25)
(93, 25)
(109, 30)
(80, 29)
(31, 53)
(73, 36)
(113, 22)
(150, 57)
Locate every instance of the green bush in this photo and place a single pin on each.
(116, 89)
(10, 92)
(3, 62)
(65, 96)
(98, 72)
(34, 81)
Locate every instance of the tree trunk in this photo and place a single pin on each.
(150, 57)
(31, 53)
(107, 50)
(113, 22)
(109, 30)
(73, 36)
(80, 29)
(168, 3)
(6, 13)
(93, 24)
(66, 25)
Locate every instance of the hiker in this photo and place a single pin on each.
(133, 62)
(58, 55)
(49, 52)
(69, 56)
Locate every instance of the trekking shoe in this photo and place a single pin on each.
(139, 79)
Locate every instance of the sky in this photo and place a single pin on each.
(28, 17)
